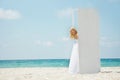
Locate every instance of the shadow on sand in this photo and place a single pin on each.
(110, 71)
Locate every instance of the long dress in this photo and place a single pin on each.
(74, 66)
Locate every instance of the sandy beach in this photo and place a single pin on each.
(57, 73)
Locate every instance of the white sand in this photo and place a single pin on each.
(53, 73)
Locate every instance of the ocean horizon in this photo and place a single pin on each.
(105, 62)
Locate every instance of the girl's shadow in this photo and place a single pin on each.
(110, 71)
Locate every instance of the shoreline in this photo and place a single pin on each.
(56, 73)
(57, 67)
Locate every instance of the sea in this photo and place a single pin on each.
(51, 63)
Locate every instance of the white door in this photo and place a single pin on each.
(88, 30)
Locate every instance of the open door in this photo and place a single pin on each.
(88, 22)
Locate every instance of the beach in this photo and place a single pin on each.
(57, 73)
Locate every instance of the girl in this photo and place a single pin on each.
(74, 59)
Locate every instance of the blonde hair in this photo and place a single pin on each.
(73, 35)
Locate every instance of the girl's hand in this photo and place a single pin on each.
(76, 37)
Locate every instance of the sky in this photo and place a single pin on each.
(39, 29)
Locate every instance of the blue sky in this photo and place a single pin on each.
(37, 29)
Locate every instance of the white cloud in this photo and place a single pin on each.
(38, 42)
(9, 14)
(65, 39)
(66, 12)
(3, 45)
(107, 42)
(48, 43)
(44, 43)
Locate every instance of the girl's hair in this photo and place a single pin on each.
(72, 35)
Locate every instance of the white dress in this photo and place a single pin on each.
(74, 66)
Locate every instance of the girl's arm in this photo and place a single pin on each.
(76, 37)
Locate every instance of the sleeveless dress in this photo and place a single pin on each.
(74, 66)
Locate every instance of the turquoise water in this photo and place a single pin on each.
(51, 63)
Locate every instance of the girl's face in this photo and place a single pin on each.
(73, 32)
